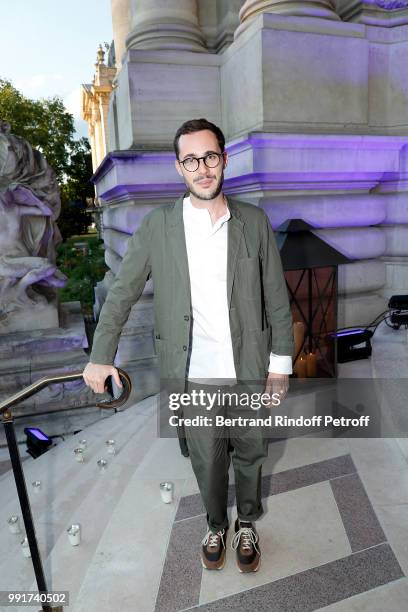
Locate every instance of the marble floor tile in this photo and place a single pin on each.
(386, 487)
(295, 452)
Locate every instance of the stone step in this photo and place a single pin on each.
(128, 561)
(94, 514)
(133, 545)
(85, 497)
(60, 458)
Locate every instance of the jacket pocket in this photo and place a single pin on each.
(157, 344)
(249, 277)
(262, 337)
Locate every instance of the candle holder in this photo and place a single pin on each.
(74, 534)
(14, 524)
(102, 464)
(36, 486)
(311, 364)
(79, 454)
(83, 444)
(300, 366)
(166, 492)
(25, 547)
(110, 444)
(299, 330)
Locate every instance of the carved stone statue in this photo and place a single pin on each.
(29, 207)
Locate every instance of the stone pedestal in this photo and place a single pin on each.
(46, 317)
(28, 356)
(167, 87)
(136, 350)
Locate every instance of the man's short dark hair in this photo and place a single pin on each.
(196, 125)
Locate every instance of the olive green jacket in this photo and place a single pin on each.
(259, 312)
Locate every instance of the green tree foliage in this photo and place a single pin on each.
(76, 191)
(49, 127)
(46, 124)
(84, 269)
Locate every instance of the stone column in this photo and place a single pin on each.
(91, 134)
(228, 20)
(165, 25)
(98, 139)
(297, 8)
(121, 24)
(103, 112)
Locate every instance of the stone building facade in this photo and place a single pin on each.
(312, 96)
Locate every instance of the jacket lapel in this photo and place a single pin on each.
(177, 239)
(235, 232)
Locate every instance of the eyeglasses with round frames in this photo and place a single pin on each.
(211, 160)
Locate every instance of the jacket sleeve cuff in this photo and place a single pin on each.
(280, 364)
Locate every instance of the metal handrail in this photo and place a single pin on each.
(49, 380)
(8, 422)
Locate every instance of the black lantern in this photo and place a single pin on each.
(310, 267)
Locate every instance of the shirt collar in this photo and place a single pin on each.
(175, 213)
(203, 214)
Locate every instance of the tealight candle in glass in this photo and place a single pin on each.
(166, 491)
(14, 525)
(79, 454)
(25, 547)
(36, 486)
(102, 464)
(74, 534)
(110, 444)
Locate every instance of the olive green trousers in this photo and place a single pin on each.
(212, 446)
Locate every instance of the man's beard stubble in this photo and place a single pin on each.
(212, 194)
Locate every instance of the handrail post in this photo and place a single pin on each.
(15, 458)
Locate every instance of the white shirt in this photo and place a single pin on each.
(211, 352)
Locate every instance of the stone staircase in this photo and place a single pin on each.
(72, 492)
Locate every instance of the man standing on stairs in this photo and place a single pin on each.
(222, 316)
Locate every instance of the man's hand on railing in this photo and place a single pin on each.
(95, 375)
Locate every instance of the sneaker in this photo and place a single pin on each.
(246, 543)
(213, 549)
